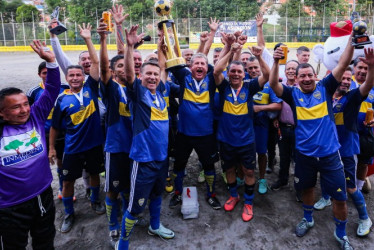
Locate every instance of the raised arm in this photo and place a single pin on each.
(117, 14)
(257, 52)
(85, 32)
(222, 64)
(162, 58)
(213, 25)
(369, 83)
(131, 40)
(242, 39)
(227, 40)
(62, 59)
(344, 61)
(274, 73)
(203, 39)
(105, 73)
(260, 34)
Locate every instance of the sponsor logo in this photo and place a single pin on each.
(141, 201)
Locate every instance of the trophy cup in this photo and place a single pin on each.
(57, 28)
(360, 38)
(163, 8)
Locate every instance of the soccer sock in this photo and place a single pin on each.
(68, 204)
(360, 184)
(210, 180)
(128, 223)
(340, 228)
(178, 182)
(308, 212)
(59, 174)
(154, 212)
(359, 201)
(233, 189)
(249, 194)
(111, 212)
(125, 200)
(95, 193)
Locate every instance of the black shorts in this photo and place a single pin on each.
(60, 144)
(205, 147)
(18, 221)
(91, 160)
(117, 168)
(234, 156)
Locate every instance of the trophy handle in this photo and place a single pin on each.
(56, 13)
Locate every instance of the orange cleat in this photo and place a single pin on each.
(247, 214)
(231, 203)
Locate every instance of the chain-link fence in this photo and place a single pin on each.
(308, 29)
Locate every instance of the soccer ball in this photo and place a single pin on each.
(162, 7)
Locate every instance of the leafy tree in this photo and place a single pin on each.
(52, 4)
(2, 5)
(25, 12)
(138, 9)
(9, 8)
(84, 11)
(14, 145)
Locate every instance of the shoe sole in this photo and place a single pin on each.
(166, 238)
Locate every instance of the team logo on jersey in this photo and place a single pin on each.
(65, 172)
(141, 201)
(204, 85)
(18, 148)
(86, 94)
(370, 96)
(296, 180)
(338, 106)
(115, 183)
(71, 105)
(317, 95)
(242, 96)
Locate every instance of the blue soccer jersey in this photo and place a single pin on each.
(168, 90)
(82, 120)
(150, 124)
(118, 118)
(196, 103)
(34, 94)
(366, 104)
(315, 132)
(346, 110)
(236, 122)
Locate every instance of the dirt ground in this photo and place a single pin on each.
(275, 214)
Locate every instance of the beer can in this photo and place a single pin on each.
(285, 52)
(107, 16)
(369, 115)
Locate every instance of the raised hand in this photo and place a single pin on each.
(369, 56)
(204, 37)
(235, 47)
(213, 24)
(227, 39)
(278, 54)
(259, 19)
(237, 33)
(85, 31)
(43, 51)
(53, 21)
(242, 39)
(102, 29)
(117, 14)
(131, 36)
(256, 50)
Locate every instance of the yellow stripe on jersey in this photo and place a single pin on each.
(339, 118)
(240, 109)
(192, 97)
(124, 110)
(159, 115)
(166, 98)
(82, 115)
(50, 114)
(316, 112)
(261, 98)
(365, 106)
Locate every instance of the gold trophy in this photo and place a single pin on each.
(163, 8)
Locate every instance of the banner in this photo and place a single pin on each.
(248, 28)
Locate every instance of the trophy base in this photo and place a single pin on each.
(359, 41)
(58, 30)
(177, 62)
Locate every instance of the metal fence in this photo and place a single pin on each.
(309, 29)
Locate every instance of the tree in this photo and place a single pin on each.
(52, 4)
(9, 9)
(25, 13)
(84, 11)
(2, 5)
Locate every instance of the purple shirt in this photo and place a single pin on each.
(286, 115)
(24, 166)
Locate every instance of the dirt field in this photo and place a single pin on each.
(275, 214)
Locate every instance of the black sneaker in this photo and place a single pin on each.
(213, 202)
(175, 200)
(278, 185)
(98, 207)
(114, 237)
(67, 223)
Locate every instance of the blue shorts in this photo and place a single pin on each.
(235, 156)
(331, 173)
(261, 136)
(117, 168)
(350, 163)
(91, 160)
(148, 181)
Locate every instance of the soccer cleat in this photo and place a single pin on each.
(67, 223)
(278, 185)
(247, 214)
(322, 203)
(162, 231)
(201, 177)
(169, 186)
(213, 202)
(262, 186)
(175, 200)
(344, 242)
(231, 203)
(303, 227)
(98, 207)
(114, 237)
(364, 227)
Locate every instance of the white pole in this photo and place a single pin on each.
(97, 18)
(188, 26)
(33, 25)
(286, 22)
(323, 25)
(14, 33)
(298, 23)
(153, 20)
(354, 5)
(274, 33)
(2, 24)
(142, 23)
(336, 15)
(45, 35)
(225, 12)
(66, 33)
(201, 24)
(23, 29)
